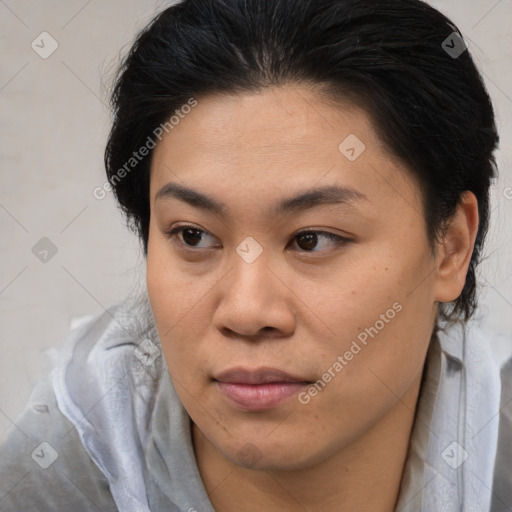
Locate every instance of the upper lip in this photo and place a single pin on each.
(258, 376)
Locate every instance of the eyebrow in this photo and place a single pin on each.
(304, 200)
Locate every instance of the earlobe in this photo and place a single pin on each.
(454, 251)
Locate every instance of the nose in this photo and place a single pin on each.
(256, 302)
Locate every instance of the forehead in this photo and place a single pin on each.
(275, 140)
(277, 122)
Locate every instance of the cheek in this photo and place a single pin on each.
(178, 304)
(354, 296)
(380, 320)
(172, 292)
(373, 371)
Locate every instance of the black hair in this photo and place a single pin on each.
(403, 61)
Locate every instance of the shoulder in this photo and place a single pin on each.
(44, 465)
(502, 480)
(74, 446)
(502, 485)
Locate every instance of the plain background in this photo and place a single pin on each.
(54, 123)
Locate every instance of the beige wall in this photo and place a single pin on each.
(54, 123)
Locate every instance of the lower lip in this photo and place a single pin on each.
(259, 397)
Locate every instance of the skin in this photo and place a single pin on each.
(297, 307)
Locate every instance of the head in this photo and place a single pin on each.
(310, 186)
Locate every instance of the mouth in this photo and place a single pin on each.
(258, 390)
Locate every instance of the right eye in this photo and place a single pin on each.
(188, 237)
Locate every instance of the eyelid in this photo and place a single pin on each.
(337, 240)
(178, 229)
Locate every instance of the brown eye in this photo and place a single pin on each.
(308, 240)
(190, 237)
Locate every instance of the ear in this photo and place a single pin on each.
(453, 252)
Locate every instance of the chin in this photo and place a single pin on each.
(262, 455)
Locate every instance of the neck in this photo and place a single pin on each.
(364, 475)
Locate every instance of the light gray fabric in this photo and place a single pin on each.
(460, 403)
(71, 483)
(502, 489)
(124, 443)
(412, 485)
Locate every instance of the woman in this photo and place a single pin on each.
(309, 181)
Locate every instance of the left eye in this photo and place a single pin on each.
(310, 239)
(306, 240)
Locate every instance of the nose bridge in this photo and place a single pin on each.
(253, 297)
(251, 270)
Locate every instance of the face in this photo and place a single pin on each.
(295, 302)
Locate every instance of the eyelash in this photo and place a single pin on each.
(337, 240)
